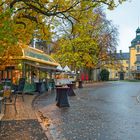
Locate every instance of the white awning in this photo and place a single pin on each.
(59, 68)
(67, 69)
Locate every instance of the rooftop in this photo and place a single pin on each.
(124, 56)
(136, 40)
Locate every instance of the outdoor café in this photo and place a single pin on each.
(34, 65)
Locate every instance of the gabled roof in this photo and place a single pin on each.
(123, 56)
(31, 54)
(38, 56)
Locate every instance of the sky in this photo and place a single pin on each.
(127, 18)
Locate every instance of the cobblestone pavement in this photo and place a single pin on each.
(21, 130)
(105, 111)
(22, 125)
(71, 123)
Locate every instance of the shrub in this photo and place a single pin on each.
(104, 75)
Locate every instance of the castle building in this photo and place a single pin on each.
(134, 50)
(129, 62)
(120, 71)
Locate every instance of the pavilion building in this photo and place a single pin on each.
(30, 63)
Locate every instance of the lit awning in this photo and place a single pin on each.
(38, 56)
(43, 68)
(31, 55)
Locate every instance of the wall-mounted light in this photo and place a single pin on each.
(19, 66)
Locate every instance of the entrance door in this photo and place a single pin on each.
(121, 75)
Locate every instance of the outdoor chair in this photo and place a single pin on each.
(9, 99)
(19, 91)
(1, 116)
(1, 113)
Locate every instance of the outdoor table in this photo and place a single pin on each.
(71, 92)
(74, 86)
(58, 86)
(80, 84)
(62, 96)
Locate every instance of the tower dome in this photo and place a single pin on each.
(136, 40)
(138, 31)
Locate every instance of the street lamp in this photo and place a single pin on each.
(78, 75)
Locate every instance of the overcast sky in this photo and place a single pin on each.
(127, 18)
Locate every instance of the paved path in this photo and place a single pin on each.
(109, 111)
(23, 125)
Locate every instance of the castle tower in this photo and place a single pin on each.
(134, 49)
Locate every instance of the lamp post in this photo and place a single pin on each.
(79, 80)
(78, 75)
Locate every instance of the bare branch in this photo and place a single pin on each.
(14, 2)
(30, 18)
(22, 23)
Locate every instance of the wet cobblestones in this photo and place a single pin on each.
(103, 112)
(79, 122)
(21, 130)
(22, 125)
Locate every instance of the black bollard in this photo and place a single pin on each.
(80, 84)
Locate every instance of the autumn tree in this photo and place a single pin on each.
(107, 42)
(19, 18)
(14, 35)
(11, 37)
(90, 43)
(42, 13)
